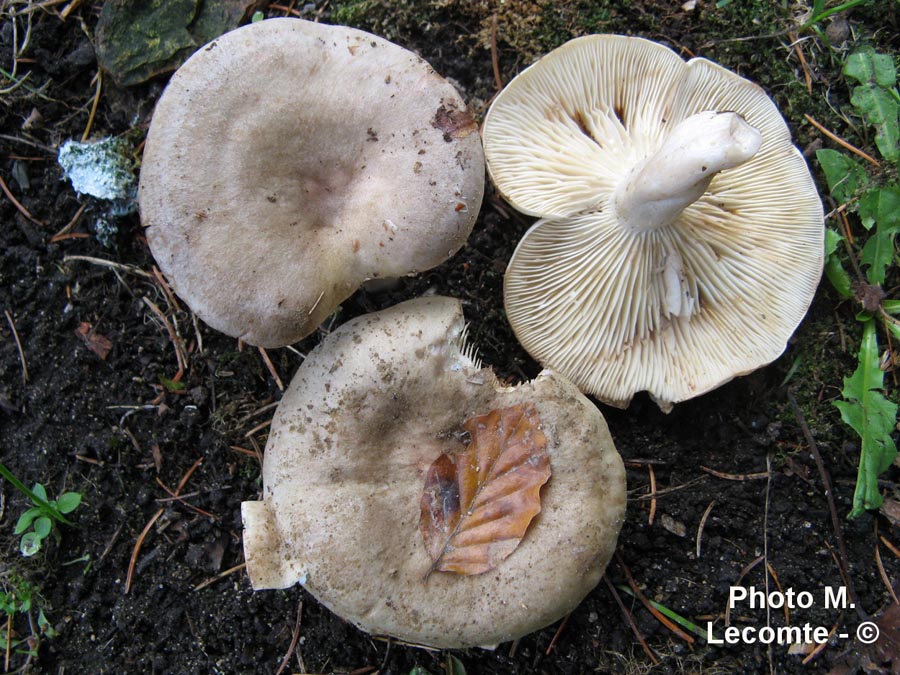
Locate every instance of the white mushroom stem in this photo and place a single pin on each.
(660, 187)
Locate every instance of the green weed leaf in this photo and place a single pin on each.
(879, 109)
(881, 205)
(26, 519)
(834, 269)
(873, 417)
(455, 666)
(68, 502)
(868, 67)
(171, 385)
(43, 526)
(40, 491)
(45, 626)
(877, 253)
(845, 176)
(875, 98)
(30, 544)
(894, 329)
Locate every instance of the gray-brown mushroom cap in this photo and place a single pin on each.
(289, 161)
(681, 235)
(367, 413)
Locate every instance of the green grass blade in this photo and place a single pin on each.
(687, 624)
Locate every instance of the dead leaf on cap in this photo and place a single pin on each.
(453, 122)
(99, 344)
(478, 502)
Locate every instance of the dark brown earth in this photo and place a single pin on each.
(111, 429)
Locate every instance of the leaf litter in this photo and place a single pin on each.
(478, 502)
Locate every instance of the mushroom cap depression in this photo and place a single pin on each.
(368, 412)
(681, 235)
(289, 161)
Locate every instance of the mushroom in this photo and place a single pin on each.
(289, 161)
(680, 239)
(369, 410)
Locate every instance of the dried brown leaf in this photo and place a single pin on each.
(478, 502)
(890, 509)
(99, 344)
(880, 650)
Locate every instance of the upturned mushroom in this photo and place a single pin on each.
(680, 239)
(288, 162)
(356, 470)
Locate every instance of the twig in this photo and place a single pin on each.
(630, 619)
(653, 492)
(820, 647)
(15, 334)
(840, 141)
(41, 5)
(143, 535)
(316, 304)
(286, 10)
(255, 453)
(735, 476)
(180, 358)
(295, 637)
(256, 413)
(881, 570)
(167, 290)
(90, 122)
(131, 269)
(187, 476)
(68, 226)
(220, 575)
(744, 572)
(15, 202)
(638, 463)
(787, 609)
(556, 635)
(495, 58)
(197, 333)
(137, 548)
(258, 427)
(182, 499)
(271, 367)
(703, 525)
(829, 495)
(797, 44)
(893, 549)
(845, 578)
(674, 488)
(848, 243)
(639, 594)
(68, 9)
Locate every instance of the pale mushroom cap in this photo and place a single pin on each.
(289, 161)
(676, 310)
(367, 413)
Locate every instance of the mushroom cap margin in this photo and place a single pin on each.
(357, 442)
(271, 191)
(585, 299)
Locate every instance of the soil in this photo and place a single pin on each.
(737, 486)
